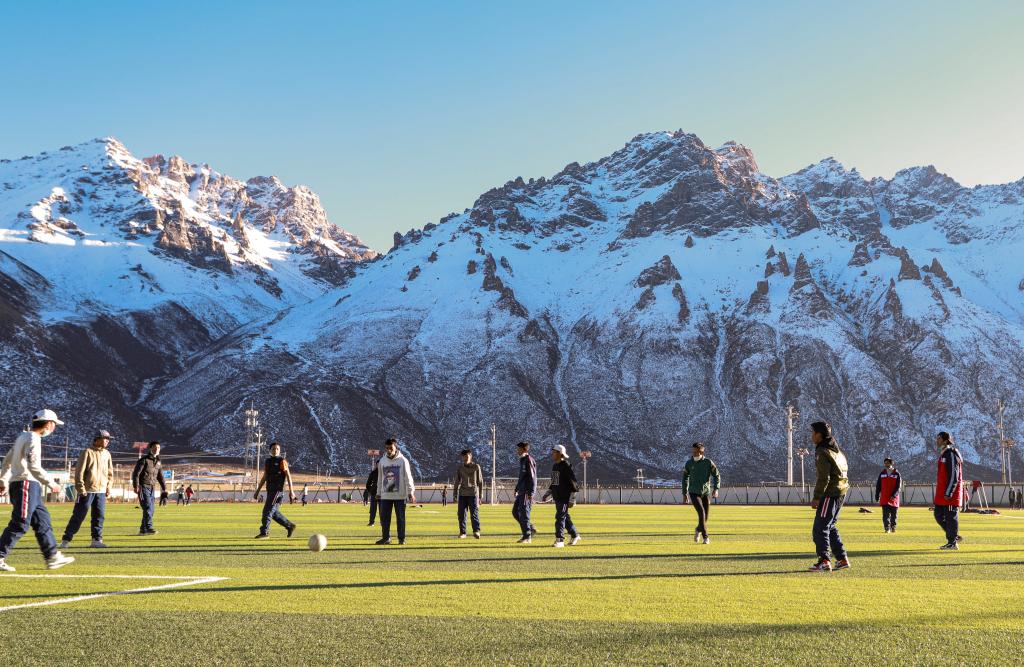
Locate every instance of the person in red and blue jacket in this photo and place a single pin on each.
(949, 490)
(887, 494)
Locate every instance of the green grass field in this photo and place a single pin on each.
(636, 590)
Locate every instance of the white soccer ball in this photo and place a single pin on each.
(317, 542)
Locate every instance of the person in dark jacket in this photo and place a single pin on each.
(526, 489)
(370, 493)
(887, 494)
(276, 475)
(563, 491)
(701, 479)
(444, 496)
(145, 476)
(468, 490)
(949, 490)
(829, 494)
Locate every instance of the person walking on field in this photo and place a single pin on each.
(395, 487)
(370, 493)
(469, 488)
(526, 489)
(305, 494)
(829, 494)
(147, 473)
(23, 475)
(444, 496)
(887, 494)
(563, 491)
(94, 479)
(189, 492)
(949, 490)
(276, 475)
(181, 496)
(701, 479)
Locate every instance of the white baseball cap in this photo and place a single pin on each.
(47, 416)
(561, 450)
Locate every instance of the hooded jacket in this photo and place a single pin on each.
(563, 482)
(469, 481)
(832, 469)
(394, 478)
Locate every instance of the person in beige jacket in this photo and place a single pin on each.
(94, 478)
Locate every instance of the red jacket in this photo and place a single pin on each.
(949, 484)
(887, 488)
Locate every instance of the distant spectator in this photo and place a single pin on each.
(887, 494)
(370, 493)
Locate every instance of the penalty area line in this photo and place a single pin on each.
(180, 582)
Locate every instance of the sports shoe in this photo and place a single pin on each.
(58, 560)
(64, 544)
(291, 529)
(462, 536)
(575, 540)
(152, 532)
(98, 544)
(401, 542)
(952, 546)
(262, 536)
(371, 524)
(383, 541)
(142, 533)
(887, 531)
(558, 544)
(533, 531)
(696, 536)
(843, 564)
(4, 567)
(893, 529)
(476, 534)
(959, 539)
(525, 539)
(707, 540)
(822, 565)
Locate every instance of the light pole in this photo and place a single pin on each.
(802, 452)
(791, 414)
(494, 464)
(584, 455)
(639, 477)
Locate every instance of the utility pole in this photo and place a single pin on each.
(253, 440)
(639, 477)
(1002, 440)
(584, 455)
(494, 464)
(802, 452)
(791, 414)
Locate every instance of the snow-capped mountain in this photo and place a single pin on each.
(667, 293)
(114, 269)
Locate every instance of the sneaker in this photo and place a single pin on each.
(58, 560)
(98, 544)
(462, 536)
(64, 544)
(959, 539)
(707, 540)
(525, 539)
(952, 546)
(558, 544)
(575, 540)
(893, 529)
(476, 534)
(383, 541)
(887, 531)
(4, 567)
(291, 529)
(401, 542)
(262, 536)
(822, 565)
(152, 532)
(371, 524)
(533, 531)
(843, 564)
(142, 533)
(696, 536)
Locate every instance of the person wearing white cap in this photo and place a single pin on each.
(563, 491)
(94, 478)
(23, 471)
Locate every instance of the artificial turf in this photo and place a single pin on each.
(636, 590)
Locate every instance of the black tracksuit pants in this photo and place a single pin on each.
(702, 505)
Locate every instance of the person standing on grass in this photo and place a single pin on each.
(23, 475)
(370, 493)
(469, 488)
(147, 473)
(395, 486)
(829, 494)
(276, 475)
(563, 491)
(94, 479)
(181, 496)
(305, 494)
(701, 480)
(949, 490)
(526, 489)
(189, 492)
(887, 494)
(444, 496)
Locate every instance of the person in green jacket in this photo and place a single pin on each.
(829, 494)
(700, 480)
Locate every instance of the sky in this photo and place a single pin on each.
(399, 113)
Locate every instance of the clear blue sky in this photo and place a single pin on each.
(397, 113)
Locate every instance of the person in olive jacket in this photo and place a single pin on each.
(146, 475)
(700, 480)
(829, 494)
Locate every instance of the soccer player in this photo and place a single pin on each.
(370, 493)
(701, 479)
(444, 496)
(305, 494)
(94, 478)
(526, 489)
(395, 486)
(469, 488)
(563, 491)
(829, 494)
(276, 475)
(145, 476)
(887, 494)
(949, 489)
(23, 473)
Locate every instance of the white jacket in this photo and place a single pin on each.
(394, 479)
(24, 461)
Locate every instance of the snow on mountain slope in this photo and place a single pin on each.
(667, 293)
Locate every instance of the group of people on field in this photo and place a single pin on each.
(390, 487)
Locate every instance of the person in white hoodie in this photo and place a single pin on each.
(23, 472)
(394, 486)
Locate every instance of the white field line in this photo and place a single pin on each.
(178, 583)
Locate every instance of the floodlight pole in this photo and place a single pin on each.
(494, 464)
(791, 414)
(802, 452)
(584, 455)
